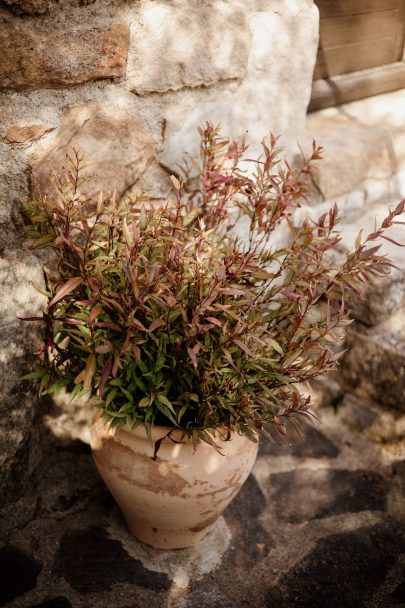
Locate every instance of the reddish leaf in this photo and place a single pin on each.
(192, 356)
(95, 311)
(66, 289)
(70, 321)
(228, 357)
(291, 295)
(214, 321)
(244, 347)
(104, 375)
(155, 324)
(138, 325)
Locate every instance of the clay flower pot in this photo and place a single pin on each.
(174, 501)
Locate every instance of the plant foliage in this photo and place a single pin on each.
(166, 317)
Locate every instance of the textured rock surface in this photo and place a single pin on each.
(28, 7)
(65, 544)
(353, 153)
(176, 46)
(374, 366)
(19, 433)
(385, 298)
(21, 134)
(364, 157)
(101, 132)
(327, 578)
(364, 167)
(31, 59)
(306, 494)
(379, 423)
(18, 573)
(104, 561)
(273, 93)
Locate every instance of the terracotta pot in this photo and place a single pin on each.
(172, 502)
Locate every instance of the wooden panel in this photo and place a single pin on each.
(343, 8)
(354, 57)
(358, 85)
(360, 50)
(361, 28)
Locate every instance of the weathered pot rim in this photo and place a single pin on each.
(219, 433)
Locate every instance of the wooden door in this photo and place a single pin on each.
(360, 50)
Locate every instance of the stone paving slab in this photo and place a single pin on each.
(320, 524)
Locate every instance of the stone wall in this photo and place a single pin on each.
(364, 172)
(127, 82)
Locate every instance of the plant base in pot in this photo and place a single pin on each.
(174, 501)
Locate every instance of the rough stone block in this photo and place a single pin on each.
(115, 143)
(28, 7)
(313, 444)
(92, 561)
(384, 298)
(273, 94)
(306, 494)
(251, 541)
(382, 426)
(18, 435)
(21, 134)
(31, 59)
(18, 574)
(374, 365)
(176, 46)
(14, 186)
(352, 153)
(364, 144)
(343, 570)
(19, 272)
(19, 340)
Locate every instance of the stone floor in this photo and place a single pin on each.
(319, 524)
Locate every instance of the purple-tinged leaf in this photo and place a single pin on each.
(65, 290)
(214, 321)
(104, 375)
(244, 347)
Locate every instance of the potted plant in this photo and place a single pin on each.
(191, 340)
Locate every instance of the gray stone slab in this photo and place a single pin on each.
(305, 494)
(343, 571)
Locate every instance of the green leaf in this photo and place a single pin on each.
(126, 233)
(174, 314)
(163, 399)
(76, 392)
(275, 345)
(166, 412)
(144, 402)
(143, 367)
(127, 394)
(44, 381)
(127, 407)
(182, 412)
(111, 396)
(32, 376)
(116, 382)
(159, 362)
(140, 384)
(148, 429)
(57, 386)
